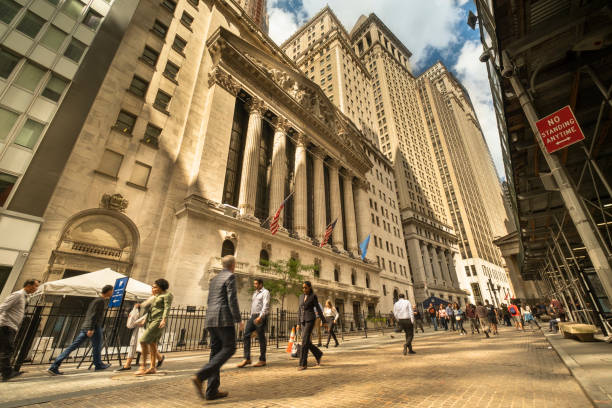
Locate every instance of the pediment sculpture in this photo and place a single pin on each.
(114, 202)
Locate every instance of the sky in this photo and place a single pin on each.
(431, 29)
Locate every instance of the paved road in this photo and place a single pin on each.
(514, 369)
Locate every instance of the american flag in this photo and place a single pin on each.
(328, 232)
(274, 222)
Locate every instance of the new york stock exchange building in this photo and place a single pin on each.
(187, 148)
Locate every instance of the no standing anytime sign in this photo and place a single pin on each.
(559, 129)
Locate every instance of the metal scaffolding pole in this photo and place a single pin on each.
(583, 223)
(562, 285)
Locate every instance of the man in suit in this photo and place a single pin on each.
(221, 315)
(309, 307)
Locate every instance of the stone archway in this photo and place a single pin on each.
(95, 239)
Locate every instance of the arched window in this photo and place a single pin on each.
(263, 257)
(353, 278)
(336, 274)
(368, 281)
(227, 248)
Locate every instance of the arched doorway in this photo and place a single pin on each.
(227, 248)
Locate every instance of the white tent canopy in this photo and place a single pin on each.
(90, 285)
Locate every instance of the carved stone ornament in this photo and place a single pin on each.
(224, 80)
(301, 139)
(282, 125)
(256, 105)
(114, 202)
(267, 246)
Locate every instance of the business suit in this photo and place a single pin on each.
(221, 315)
(307, 317)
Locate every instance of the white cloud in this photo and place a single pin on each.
(473, 75)
(282, 24)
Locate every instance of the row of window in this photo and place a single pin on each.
(111, 164)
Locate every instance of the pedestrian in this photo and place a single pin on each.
(307, 313)
(528, 316)
(450, 315)
(559, 309)
(432, 316)
(402, 310)
(483, 319)
(221, 315)
(459, 318)
(135, 321)
(515, 315)
(470, 313)
(506, 316)
(159, 307)
(442, 316)
(331, 317)
(260, 308)
(90, 329)
(492, 316)
(12, 311)
(418, 320)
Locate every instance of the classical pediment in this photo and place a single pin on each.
(225, 46)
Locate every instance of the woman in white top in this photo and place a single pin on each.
(331, 316)
(528, 316)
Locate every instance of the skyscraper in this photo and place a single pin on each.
(471, 188)
(258, 11)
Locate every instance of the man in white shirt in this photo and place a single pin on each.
(402, 310)
(260, 308)
(11, 316)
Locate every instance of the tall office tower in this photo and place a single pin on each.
(258, 11)
(463, 160)
(430, 239)
(323, 51)
(52, 58)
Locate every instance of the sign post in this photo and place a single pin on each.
(116, 301)
(559, 129)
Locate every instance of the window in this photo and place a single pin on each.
(170, 5)
(8, 11)
(368, 281)
(30, 24)
(125, 122)
(151, 136)
(138, 86)
(336, 274)
(53, 38)
(264, 258)
(162, 100)
(160, 29)
(29, 76)
(6, 185)
(7, 120)
(54, 89)
(29, 134)
(384, 290)
(353, 278)
(227, 248)
(73, 8)
(179, 45)
(110, 163)
(150, 56)
(92, 19)
(140, 174)
(8, 62)
(75, 50)
(171, 70)
(187, 20)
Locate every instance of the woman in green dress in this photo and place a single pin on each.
(159, 308)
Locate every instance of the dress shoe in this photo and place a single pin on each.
(12, 375)
(412, 352)
(160, 362)
(198, 385)
(54, 371)
(337, 344)
(102, 367)
(319, 359)
(259, 364)
(244, 364)
(218, 395)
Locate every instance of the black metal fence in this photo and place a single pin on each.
(48, 329)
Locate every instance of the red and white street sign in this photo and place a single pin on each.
(559, 129)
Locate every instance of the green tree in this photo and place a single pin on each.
(288, 278)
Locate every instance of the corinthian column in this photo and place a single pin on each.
(362, 211)
(250, 164)
(444, 262)
(349, 212)
(319, 194)
(279, 170)
(335, 205)
(300, 213)
(435, 260)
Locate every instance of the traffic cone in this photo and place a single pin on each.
(291, 340)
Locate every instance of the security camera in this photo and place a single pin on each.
(485, 56)
(507, 71)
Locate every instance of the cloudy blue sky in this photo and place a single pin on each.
(431, 29)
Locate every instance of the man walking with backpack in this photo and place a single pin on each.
(515, 315)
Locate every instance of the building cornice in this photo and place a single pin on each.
(373, 18)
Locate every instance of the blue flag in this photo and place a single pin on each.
(364, 247)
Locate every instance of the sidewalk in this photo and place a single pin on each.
(36, 386)
(591, 365)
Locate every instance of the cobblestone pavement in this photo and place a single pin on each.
(514, 369)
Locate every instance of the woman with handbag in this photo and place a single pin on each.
(306, 319)
(459, 317)
(331, 317)
(135, 322)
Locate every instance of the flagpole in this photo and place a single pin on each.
(269, 216)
